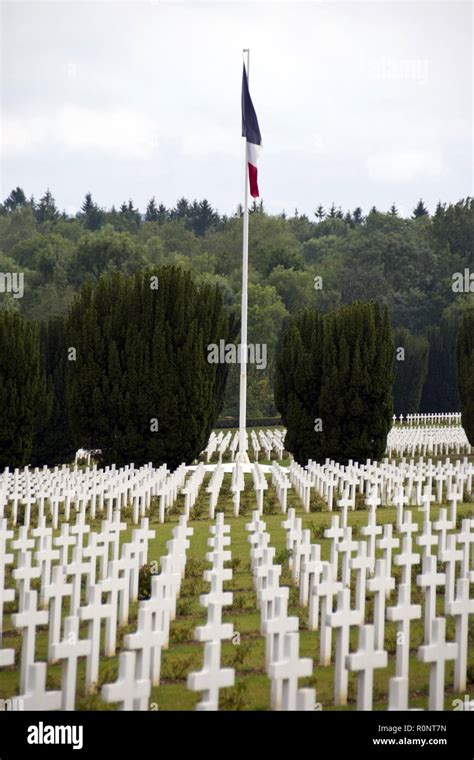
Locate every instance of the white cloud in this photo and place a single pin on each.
(118, 131)
(209, 139)
(404, 165)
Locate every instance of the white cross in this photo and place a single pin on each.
(367, 658)
(429, 580)
(54, 593)
(268, 594)
(465, 538)
(23, 543)
(215, 629)
(288, 669)
(69, 650)
(163, 599)
(94, 550)
(380, 585)
(77, 568)
(437, 653)
(400, 500)
(326, 590)
(371, 530)
(64, 541)
(148, 642)
(335, 533)
(276, 626)
(461, 608)
(28, 620)
(346, 547)
(130, 692)
(427, 540)
(6, 595)
(450, 556)
(403, 613)
(310, 573)
(211, 678)
(24, 574)
(35, 696)
(442, 526)
(361, 563)
(94, 612)
(387, 544)
(116, 586)
(407, 559)
(342, 620)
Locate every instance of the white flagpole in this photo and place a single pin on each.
(243, 456)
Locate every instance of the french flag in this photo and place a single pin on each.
(251, 131)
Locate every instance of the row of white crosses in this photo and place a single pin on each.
(213, 489)
(237, 487)
(260, 485)
(117, 581)
(212, 677)
(437, 441)
(270, 440)
(446, 481)
(319, 583)
(140, 660)
(301, 481)
(437, 418)
(48, 492)
(281, 483)
(191, 488)
(282, 661)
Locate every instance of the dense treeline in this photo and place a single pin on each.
(333, 383)
(465, 361)
(331, 260)
(125, 371)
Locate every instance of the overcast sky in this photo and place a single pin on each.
(359, 103)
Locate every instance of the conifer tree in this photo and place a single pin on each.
(23, 397)
(151, 214)
(440, 392)
(420, 210)
(465, 362)
(142, 388)
(298, 380)
(411, 368)
(53, 441)
(336, 371)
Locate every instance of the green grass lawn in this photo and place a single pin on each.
(246, 652)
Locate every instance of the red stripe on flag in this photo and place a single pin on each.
(253, 173)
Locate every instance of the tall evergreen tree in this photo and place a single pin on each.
(142, 388)
(53, 441)
(163, 214)
(320, 213)
(151, 214)
(420, 210)
(24, 403)
(93, 216)
(333, 383)
(16, 198)
(465, 364)
(298, 381)
(46, 210)
(440, 391)
(411, 368)
(393, 210)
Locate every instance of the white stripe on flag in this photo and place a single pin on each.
(252, 153)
